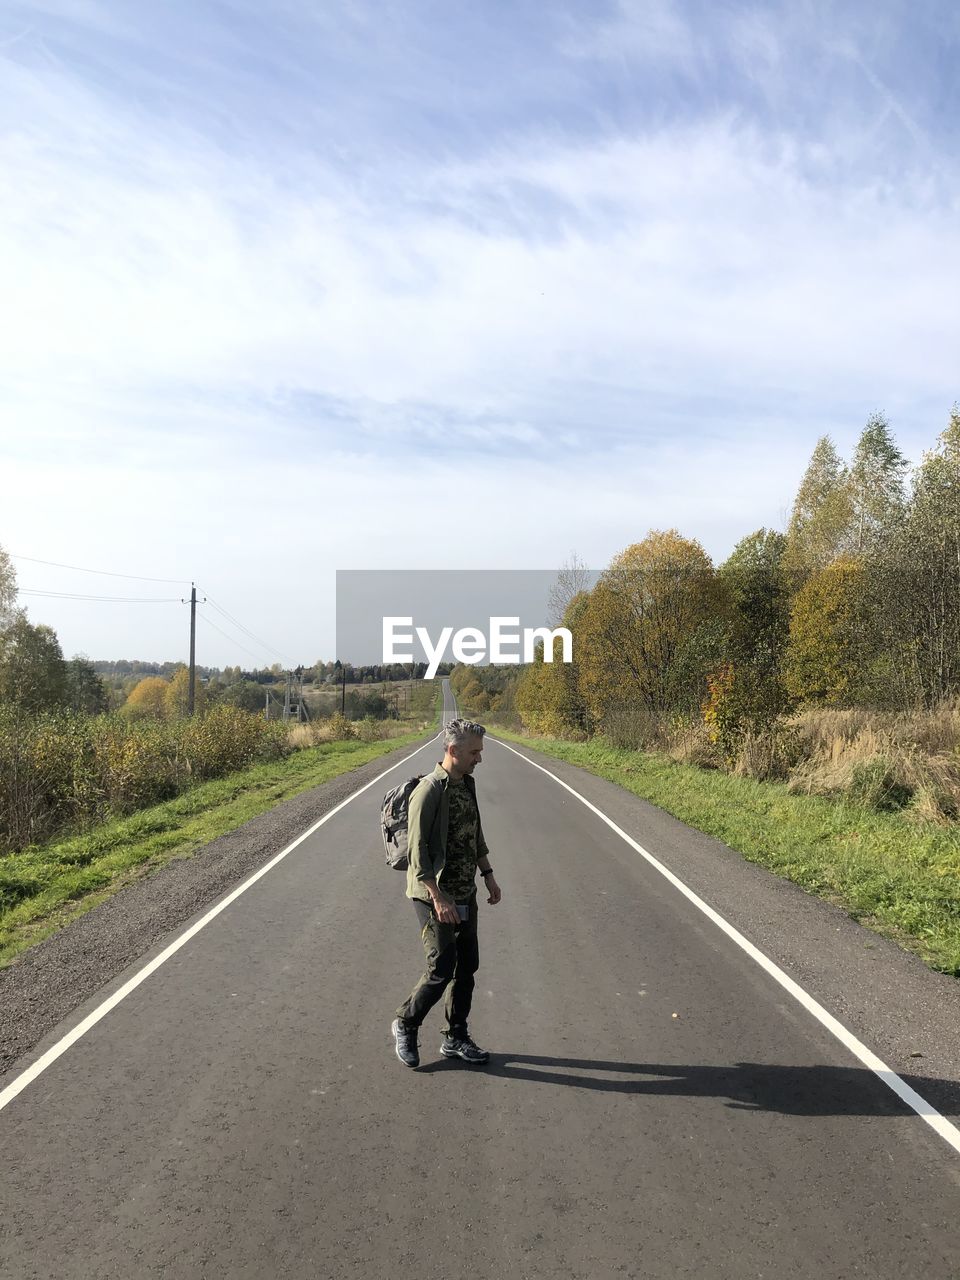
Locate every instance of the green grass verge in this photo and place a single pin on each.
(42, 889)
(895, 877)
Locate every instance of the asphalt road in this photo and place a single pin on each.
(242, 1112)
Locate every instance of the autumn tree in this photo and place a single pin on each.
(923, 575)
(532, 698)
(820, 521)
(470, 692)
(757, 626)
(824, 660)
(86, 692)
(649, 630)
(877, 493)
(244, 694)
(876, 488)
(548, 697)
(177, 695)
(148, 698)
(573, 579)
(8, 589)
(33, 674)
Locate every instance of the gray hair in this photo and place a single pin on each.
(456, 732)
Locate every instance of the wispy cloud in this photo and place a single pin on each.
(656, 32)
(706, 252)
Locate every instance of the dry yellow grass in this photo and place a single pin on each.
(934, 732)
(318, 731)
(306, 735)
(908, 760)
(689, 743)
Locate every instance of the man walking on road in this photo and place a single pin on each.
(445, 849)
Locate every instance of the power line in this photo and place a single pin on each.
(240, 626)
(68, 595)
(237, 643)
(269, 648)
(73, 595)
(106, 573)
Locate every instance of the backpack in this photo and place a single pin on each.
(393, 822)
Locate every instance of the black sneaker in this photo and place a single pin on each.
(463, 1047)
(406, 1041)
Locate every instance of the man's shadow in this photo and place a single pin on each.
(749, 1086)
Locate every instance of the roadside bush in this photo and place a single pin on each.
(132, 764)
(743, 716)
(630, 725)
(227, 739)
(47, 776)
(721, 714)
(65, 772)
(23, 806)
(371, 730)
(340, 728)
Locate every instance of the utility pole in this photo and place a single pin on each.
(339, 666)
(192, 670)
(191, 689)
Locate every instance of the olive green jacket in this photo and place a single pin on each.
(428, 815)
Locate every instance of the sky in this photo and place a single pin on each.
(301, 287)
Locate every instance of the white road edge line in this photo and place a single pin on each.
(939, 1123)
(47, 1059)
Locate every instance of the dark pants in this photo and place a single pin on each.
(453, 957)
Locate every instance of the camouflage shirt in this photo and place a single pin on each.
(429, 829)
(459, 874)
